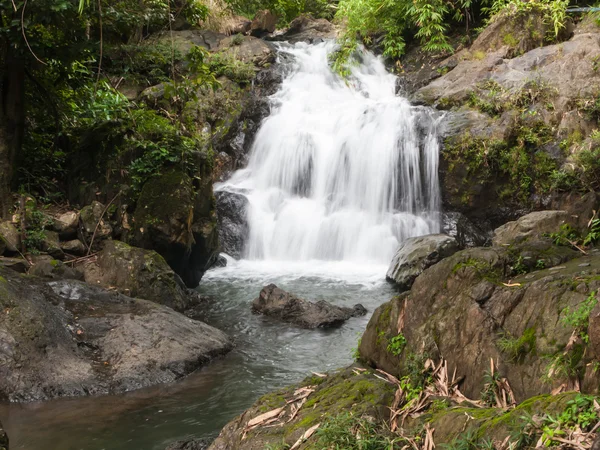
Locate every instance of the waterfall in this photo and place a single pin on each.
(342, 170)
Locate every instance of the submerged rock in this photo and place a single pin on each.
(282, 305)
(66, 338)
(417, 254)
(232, 210)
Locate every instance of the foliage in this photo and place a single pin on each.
(286, 10)
(35, 227)
(593, 235)
(579, 318)
(554, 11)
(517, 348)
(349, 432)
(226, 64)
(468, 441)
(579, 414)
(397, 344)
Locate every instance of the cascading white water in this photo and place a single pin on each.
(340, 171)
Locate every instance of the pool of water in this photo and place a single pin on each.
(268, 355)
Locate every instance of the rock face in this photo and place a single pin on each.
(417, 254)
(249, 50)
(470, 307)
(466, 233)
(306, 29)
(232, 210)
(284, 306)
(137, 272)
(264, 22)
(3, 439)
(175, 217)
(534, 224)
(9, 238)
(66, 338)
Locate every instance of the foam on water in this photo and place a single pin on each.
(341, 171)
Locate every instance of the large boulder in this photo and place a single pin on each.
(9, 238)
(481, 304)
(275, 302)
(417, 254)
(44, 266)
(175, 217)
(232, 210)
(51, 245)
(532, 225)
(137, 272)
(67, 338)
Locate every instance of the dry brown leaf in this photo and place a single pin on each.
(307, 434)
(320, 375)
(264, 417)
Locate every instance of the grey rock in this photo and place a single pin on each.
(66, 224)
(137, 272)
(73, 247)
(534, 224)
(51, 245)
(466, 233)
(307, 29)
(90, 222)
(45, 266)
(67, 338)
(19, 265)
(194, 444)
(284, 306)
(232, 210)
(417, 254)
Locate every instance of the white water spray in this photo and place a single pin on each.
(339, 171)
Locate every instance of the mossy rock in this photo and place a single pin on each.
(175, 217)
(347, 391)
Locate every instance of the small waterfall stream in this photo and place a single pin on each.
(340, 171)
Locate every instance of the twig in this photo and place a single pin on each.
(25, 36)
(100, 220)
(72, 261)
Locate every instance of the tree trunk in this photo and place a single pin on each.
(12, 122)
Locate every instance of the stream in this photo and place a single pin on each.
(268, 355)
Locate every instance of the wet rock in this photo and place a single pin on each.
(3, 439)
(284, 306)
(417, 254)
(466, 233)
(45, 266)
(9, 238)
(195, 444)
(73, 247)
(232, 210)
(239, 25)
(535, 224)
(137, 272)
(51, 245)
(90, 222)
(304, 28)
(175, 217)
(67, 338)
(66, 224)
(264, 22)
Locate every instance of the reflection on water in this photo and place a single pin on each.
(268, 355)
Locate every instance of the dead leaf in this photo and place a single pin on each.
(264, 417)
(307, 434)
